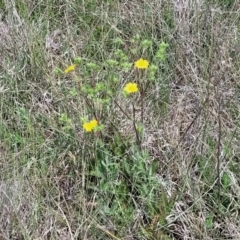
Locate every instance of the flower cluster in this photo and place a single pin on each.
(89, 126)
(129, 88)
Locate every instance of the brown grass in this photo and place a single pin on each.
(191, 117)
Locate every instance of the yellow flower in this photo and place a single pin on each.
(141, 64)
(89, 126)
(70, 68)
(130, 88)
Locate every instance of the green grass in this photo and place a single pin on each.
(163, 163)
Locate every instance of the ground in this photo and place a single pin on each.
(114, 147)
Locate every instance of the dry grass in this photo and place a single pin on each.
(191, 122)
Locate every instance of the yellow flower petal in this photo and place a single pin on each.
(141, 64)
(89, 126)
(70, 68)
(94, 123)
(130, 88)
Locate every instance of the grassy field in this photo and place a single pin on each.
(119, 119)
